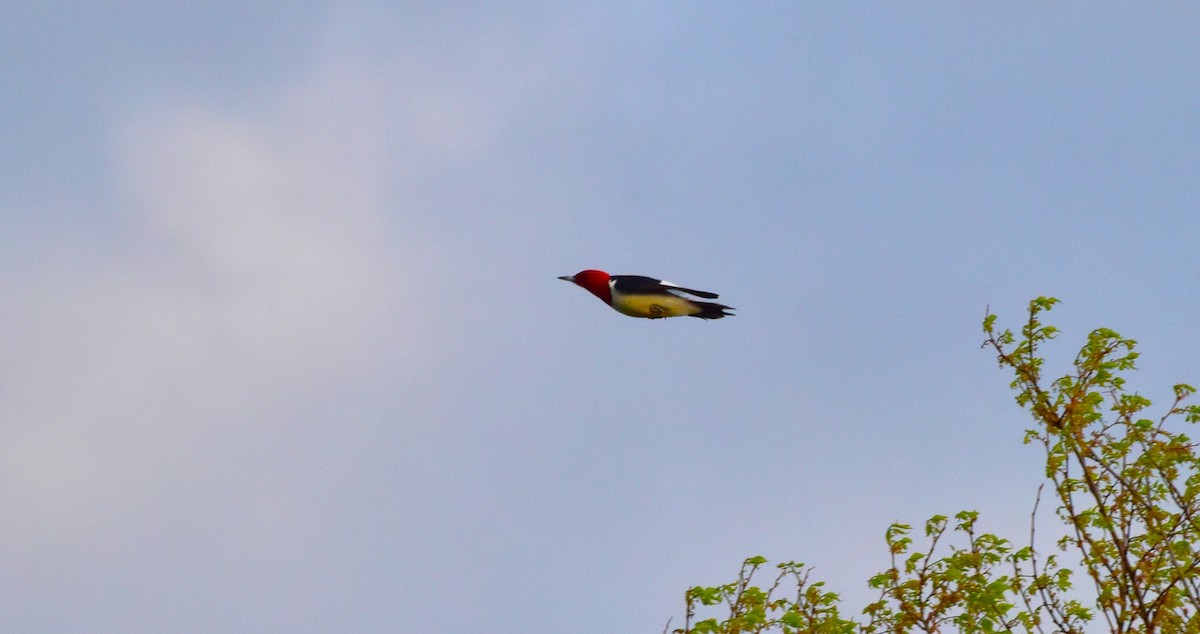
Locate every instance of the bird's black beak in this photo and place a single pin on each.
(567, 278)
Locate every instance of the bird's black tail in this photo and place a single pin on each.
(712, 310)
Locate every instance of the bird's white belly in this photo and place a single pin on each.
(653, 306)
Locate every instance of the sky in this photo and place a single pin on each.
(283, 349)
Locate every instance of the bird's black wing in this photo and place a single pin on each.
(641, 285)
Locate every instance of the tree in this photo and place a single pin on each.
(1128, 496)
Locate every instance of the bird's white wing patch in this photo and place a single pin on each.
(670, 288)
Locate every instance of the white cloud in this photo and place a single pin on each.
(188, 378)
(259, 270)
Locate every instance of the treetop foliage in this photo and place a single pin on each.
(1127, 492)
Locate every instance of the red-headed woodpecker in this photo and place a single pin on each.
(647, 297)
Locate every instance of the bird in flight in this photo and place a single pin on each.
(639, 296)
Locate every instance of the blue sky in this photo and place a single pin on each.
(284, 349)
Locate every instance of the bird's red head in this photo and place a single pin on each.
(596, 282)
